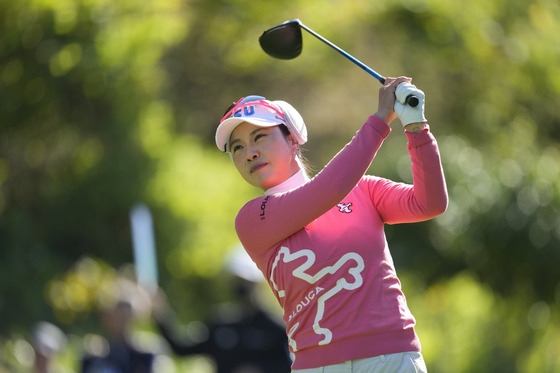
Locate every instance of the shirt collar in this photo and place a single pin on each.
(296, 180)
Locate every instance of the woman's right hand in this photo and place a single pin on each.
(386, 106)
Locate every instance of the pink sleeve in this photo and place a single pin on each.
(267, 220)
(427, 197)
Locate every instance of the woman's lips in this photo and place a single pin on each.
(258, 166)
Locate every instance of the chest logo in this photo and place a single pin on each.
(344, 207)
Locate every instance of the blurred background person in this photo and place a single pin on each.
(119, 351)
(47, 340)
(243, 337)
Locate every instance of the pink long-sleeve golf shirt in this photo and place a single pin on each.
(322, 248)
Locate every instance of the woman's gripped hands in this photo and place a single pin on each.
(386, 105)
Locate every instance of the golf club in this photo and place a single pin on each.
(284, 41)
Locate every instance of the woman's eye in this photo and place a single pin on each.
(236, 148)
(260, 135)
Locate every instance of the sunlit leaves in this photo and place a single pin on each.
(77, 78)
(88, 156)
(12, 72)
(156, 127)
(461, 318)
(466, 308)
(78, 291)
(197, 184)
(106, 102)
(66, 59)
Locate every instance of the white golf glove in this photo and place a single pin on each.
(406, 113)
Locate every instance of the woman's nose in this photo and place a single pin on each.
(252, 154)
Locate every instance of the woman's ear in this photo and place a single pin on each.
(293, 144)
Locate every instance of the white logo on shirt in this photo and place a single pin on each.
(344, 207)
(326, 294)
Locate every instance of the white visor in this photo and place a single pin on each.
(262, 113)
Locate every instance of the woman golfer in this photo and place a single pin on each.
(320, 242)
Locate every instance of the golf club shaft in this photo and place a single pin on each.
(346, 54)
(410, 100)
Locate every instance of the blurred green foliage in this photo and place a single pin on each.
(104, 104)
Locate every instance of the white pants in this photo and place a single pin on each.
(404, 362)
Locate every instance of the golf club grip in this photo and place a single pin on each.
(411, 100)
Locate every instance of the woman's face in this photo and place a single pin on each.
(264, 156)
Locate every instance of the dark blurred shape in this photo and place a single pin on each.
(243, 338)
(117, 353)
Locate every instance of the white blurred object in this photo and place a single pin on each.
(145, 260)
(240, 264)
(48, 339)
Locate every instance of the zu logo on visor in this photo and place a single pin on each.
(247, 112)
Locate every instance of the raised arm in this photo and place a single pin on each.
(267, 220)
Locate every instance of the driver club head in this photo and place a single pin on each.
(283, 41)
